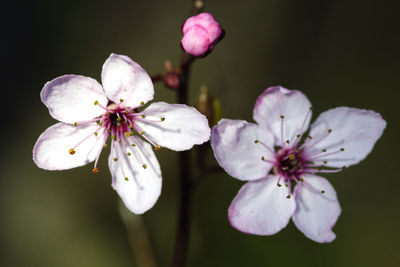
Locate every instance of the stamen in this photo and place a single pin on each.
(162, 119)
(323, 154)
(126, 179)
(144, 166)
(71, 151)
(143, 116)
(322, 192)
(288, 196)
(303, 124)
(264, 145)
(75, 124)
(95, 170)
(142, 103)
(282, 140)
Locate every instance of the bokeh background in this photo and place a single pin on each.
(340, 53)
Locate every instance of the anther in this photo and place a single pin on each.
(344, 167)
(115, 159)
(282, 117)
(126, 179)
(256, 141)
(287, 141)
(310, 137)
(130, 126)
(162, 119)
(121, 100)
(288, 196)
(133, 145)
(127, 134)
(278, 184)
(95, 170)
(262, 158)
(157, 148)
(75, 124)
(96, 103)
(144, 166)
(71, 151)
(119, 119)
(143, 116)
(112, 136)
(291, 157)
(286, 185)
(142, 103)
(322, 192)
(310, 108)
(119, 141)
(342, 149)
(142, 132)
(105, 145)
(95, 133)
(330, 130)
(323, 150)
(301, 179)
(325, 162)
(128, 154)
(298, 136)
(100, 123)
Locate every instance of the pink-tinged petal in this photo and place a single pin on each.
(239, 147)
(196, 41)
(261, 207)
(136, 178)
(355, 131)
(202, 19)
(125, 80)
(317, 208)
(174, 126)
(291, 104)
(71, 98)
(51, 151)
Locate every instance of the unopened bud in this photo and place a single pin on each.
(200, 34)
(172, 80)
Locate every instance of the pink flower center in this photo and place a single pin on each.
(119, 122)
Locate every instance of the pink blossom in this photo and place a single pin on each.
(89, 113)
(280, 163)
(200, 34)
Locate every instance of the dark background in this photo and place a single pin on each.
(340, 53)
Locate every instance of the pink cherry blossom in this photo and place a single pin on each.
(200, 34)
(280, 163)
(90, 113)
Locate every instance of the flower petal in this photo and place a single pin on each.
(278, 101)
(236, 150)
(196, 41)
(175, 126)
(138, 186)
(317, 208)
(354, 130)
(207, 22)
(51, 151)
(71, 98)
(261, 207)
(123, 79)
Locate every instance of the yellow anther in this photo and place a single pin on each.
(105, 145)
(330, 130)
(71, 151)
(109, 130)
(96, 103)
(344, 167)
(287, 141)
(126, 111)
(126, 179)
(278, 184)
(298, 136)
(262, 158)
(157, 148)
(115, 159)
(282, 117)
(95, 133)
(127, 134)
(286, 185)
(142, 132)
(323, 150)
(342, 149)
(100, 123)
(322, 192)
(142, 103)
(162, 119)
(310, 137)
(291, 157)
(288, 196)
(325, 162)
(255, 141)
(310, 108)
(133, 145)
(128, 154)
(75, 124)
(119, 119)
(301, 179)
(112, 136)
(121, 100)
(143, 116)
(130, 126)
(144, 166)
(95, 170)
(319, 168)
(119, 141)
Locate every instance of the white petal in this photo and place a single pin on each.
(51, 151)
(236, 150)
(261, 207)
(143, 187)
(124, 79)
(181, 128)
(71, 98)
(354, 130)
(279, 101)
(316, 212)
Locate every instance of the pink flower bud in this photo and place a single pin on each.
(200, 34)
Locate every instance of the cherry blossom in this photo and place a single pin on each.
(200, 34)
(90, 113)
(279, 158)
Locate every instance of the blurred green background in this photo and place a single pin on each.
(340, 53)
